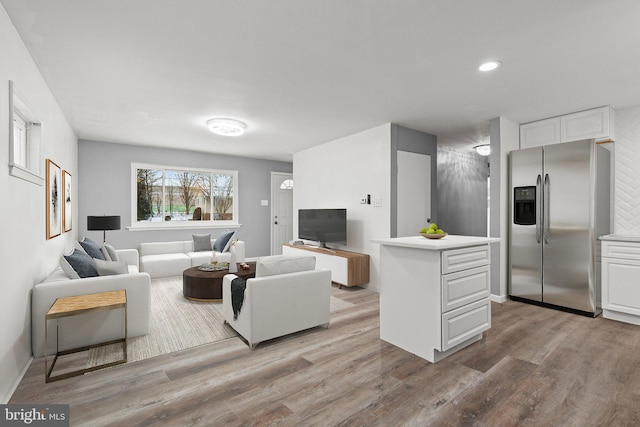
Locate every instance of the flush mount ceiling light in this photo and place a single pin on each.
(226, 127)
(489, 65)
(483, 149)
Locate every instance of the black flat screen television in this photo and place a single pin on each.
(323, 225)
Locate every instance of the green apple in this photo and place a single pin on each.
(439, 231)
(431, 231)
(433, 226)
(424, 230)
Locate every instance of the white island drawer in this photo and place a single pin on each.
(465, 322)
(465, 258)
(465, 287)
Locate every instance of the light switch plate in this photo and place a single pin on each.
(264, 202)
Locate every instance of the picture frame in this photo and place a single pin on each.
(53, 199)
(67, 211)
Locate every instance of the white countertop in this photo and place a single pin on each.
(448, 242)
(621, 237)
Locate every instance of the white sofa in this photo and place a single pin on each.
(166, 259)
(286, 296)
(92, 328)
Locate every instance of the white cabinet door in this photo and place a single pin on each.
(465, 287)
(465, 258)
(542, 132)
(621, 285)
(588, 124)
(624, 250)
(465, 322)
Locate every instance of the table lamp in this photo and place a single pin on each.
(104, 223)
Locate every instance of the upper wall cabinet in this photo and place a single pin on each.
(590, 124)
(542, 132)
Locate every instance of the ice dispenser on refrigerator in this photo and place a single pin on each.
(524, 205)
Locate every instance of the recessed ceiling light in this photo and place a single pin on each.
(226, 127)
(489, 65)
(483, 149)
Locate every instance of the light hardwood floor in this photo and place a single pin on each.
(535, 367)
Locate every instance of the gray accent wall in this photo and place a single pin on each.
(462, 192)
(104, 188)
(413, 141)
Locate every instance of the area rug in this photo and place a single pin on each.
(176, 324)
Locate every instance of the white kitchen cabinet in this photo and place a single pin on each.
(597, 123)
(621, 278)
(464, 323)
(590, 124)
(539, 133)
(434, 294)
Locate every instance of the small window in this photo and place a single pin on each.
(287, 184)
(24, 139)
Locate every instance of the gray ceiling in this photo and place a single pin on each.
(301, 73)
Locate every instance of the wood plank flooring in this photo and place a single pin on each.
(535, 367)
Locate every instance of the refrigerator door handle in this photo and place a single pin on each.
(546, 208)
(538, 207)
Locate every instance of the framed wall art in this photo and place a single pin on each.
(53, 199)
(67, 211)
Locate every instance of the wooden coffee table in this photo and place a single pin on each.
(206, 286)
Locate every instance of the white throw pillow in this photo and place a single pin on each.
(109, 252)
(283, 264)
(110, 268)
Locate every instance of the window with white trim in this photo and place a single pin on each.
(24, 139)
(166, 196)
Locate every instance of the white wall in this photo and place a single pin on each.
(26, 257)
(505, 137)
(337, 175)
(626, 218)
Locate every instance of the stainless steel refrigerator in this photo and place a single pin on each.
(560, 205)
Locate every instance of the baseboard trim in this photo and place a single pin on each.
(499, 298)
(5, 399)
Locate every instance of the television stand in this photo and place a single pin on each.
(347, 268)
(320, 248)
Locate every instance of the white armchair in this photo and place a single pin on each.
(286, 296)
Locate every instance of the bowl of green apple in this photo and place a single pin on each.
(432, 232)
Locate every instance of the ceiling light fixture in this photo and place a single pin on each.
(226, 127)
(483, 149)
(489, 65)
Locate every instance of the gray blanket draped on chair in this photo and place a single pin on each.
(238, 286)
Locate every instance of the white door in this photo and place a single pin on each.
(281, 210)
(414, 192)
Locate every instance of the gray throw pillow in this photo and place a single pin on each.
(82, 264)
(109, 253)
(92, 249)
(223, 241)
(110, 268)
(78, 246)
(68, 270)
(201, 242)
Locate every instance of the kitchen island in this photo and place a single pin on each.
(434, 293)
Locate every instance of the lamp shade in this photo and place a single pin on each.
(105, 222)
